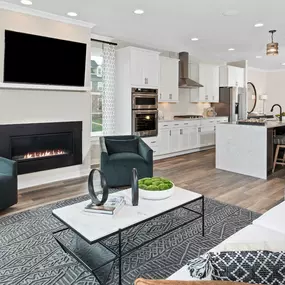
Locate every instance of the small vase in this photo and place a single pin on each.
(135, 188)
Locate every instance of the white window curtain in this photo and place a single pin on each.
(108, 105)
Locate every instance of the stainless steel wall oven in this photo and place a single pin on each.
(144, 112)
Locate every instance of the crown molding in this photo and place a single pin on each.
(101, 38)
(46, 15)
(266, 70)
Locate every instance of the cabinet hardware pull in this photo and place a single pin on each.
(153, 142)
(170, 132)
(176, 124)
(165, 125)
(160, 96)
(146, 80)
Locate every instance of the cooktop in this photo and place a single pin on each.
(188, 117)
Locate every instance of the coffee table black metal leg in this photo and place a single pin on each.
(120, 257)
(203, 216)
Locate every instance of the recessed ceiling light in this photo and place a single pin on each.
(283, 63)
(139, 11)
(72, 14)
(231, 49)
(194, 39)
(258, 56)
(258, 25)
(231, 13)
(26, 2)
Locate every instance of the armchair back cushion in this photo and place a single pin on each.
(122, 145)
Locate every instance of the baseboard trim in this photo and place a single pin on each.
(164, 156)
(54, 184)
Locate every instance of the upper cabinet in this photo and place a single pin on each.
(168, 91)
(231, 76)
(208, 76)
(144, 68)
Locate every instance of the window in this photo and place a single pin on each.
(97, 86)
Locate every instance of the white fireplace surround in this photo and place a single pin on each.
(19, 106)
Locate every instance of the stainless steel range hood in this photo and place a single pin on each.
(184, 80)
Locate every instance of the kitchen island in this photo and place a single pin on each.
(247, 149)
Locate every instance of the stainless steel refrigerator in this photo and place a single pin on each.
(229, 103)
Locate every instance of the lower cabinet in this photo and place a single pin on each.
(193, 138)
(174, 140)
(164, 141)
(184, 139)
(182, 136)
(206, 135)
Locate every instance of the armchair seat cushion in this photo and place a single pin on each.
(126, 157)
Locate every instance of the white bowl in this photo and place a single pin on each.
(156, 195)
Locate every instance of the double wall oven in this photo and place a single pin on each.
(144, 112)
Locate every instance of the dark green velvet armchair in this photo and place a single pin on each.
(120, 154)
(8, 183)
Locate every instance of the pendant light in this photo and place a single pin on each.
(272, 48)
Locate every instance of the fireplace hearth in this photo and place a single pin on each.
(42, 146)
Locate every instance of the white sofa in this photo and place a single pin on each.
(267, 232)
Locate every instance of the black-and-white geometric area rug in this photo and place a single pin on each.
(30, 255)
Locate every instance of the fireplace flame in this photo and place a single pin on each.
(45, 153)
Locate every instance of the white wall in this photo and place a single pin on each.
(259, 79)
(270, 83)
(32, 106)
(275, 89)
(183, 107)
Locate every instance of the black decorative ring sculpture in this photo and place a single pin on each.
(104, 186)
(135, 187)
(251, 85)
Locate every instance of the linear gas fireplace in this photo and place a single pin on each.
(42, 146)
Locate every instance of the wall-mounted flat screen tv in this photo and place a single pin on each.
(33, 59)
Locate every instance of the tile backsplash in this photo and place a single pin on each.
(183, 107)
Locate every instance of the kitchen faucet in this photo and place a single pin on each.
(280, 118)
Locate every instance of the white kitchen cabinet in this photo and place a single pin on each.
(193, 138)
(169, 90)
(231, 76)
(206, 135)
(209, 78)
(152, 142)
(174, 139)
(164, 141)
(184, 138)
(144, 68)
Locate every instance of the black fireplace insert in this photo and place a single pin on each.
(42, 146)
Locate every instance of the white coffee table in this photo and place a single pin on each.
(94, 228)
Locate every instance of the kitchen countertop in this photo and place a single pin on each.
(268, 125)
(190, 119)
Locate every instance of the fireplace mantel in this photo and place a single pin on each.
(43, 87)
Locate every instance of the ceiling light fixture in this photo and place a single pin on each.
(72, 14)
(26, 2)
(283, 63)
(139, 11)
(194, 39)
(258, 25)
(258, 56)
(231, 13)
(272, 48)
(231, 49)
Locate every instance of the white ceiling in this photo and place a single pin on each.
(170, 25)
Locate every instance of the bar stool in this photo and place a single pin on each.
(279, 140)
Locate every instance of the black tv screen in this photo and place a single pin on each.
(32, 59)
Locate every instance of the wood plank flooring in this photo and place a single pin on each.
(195, 172)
